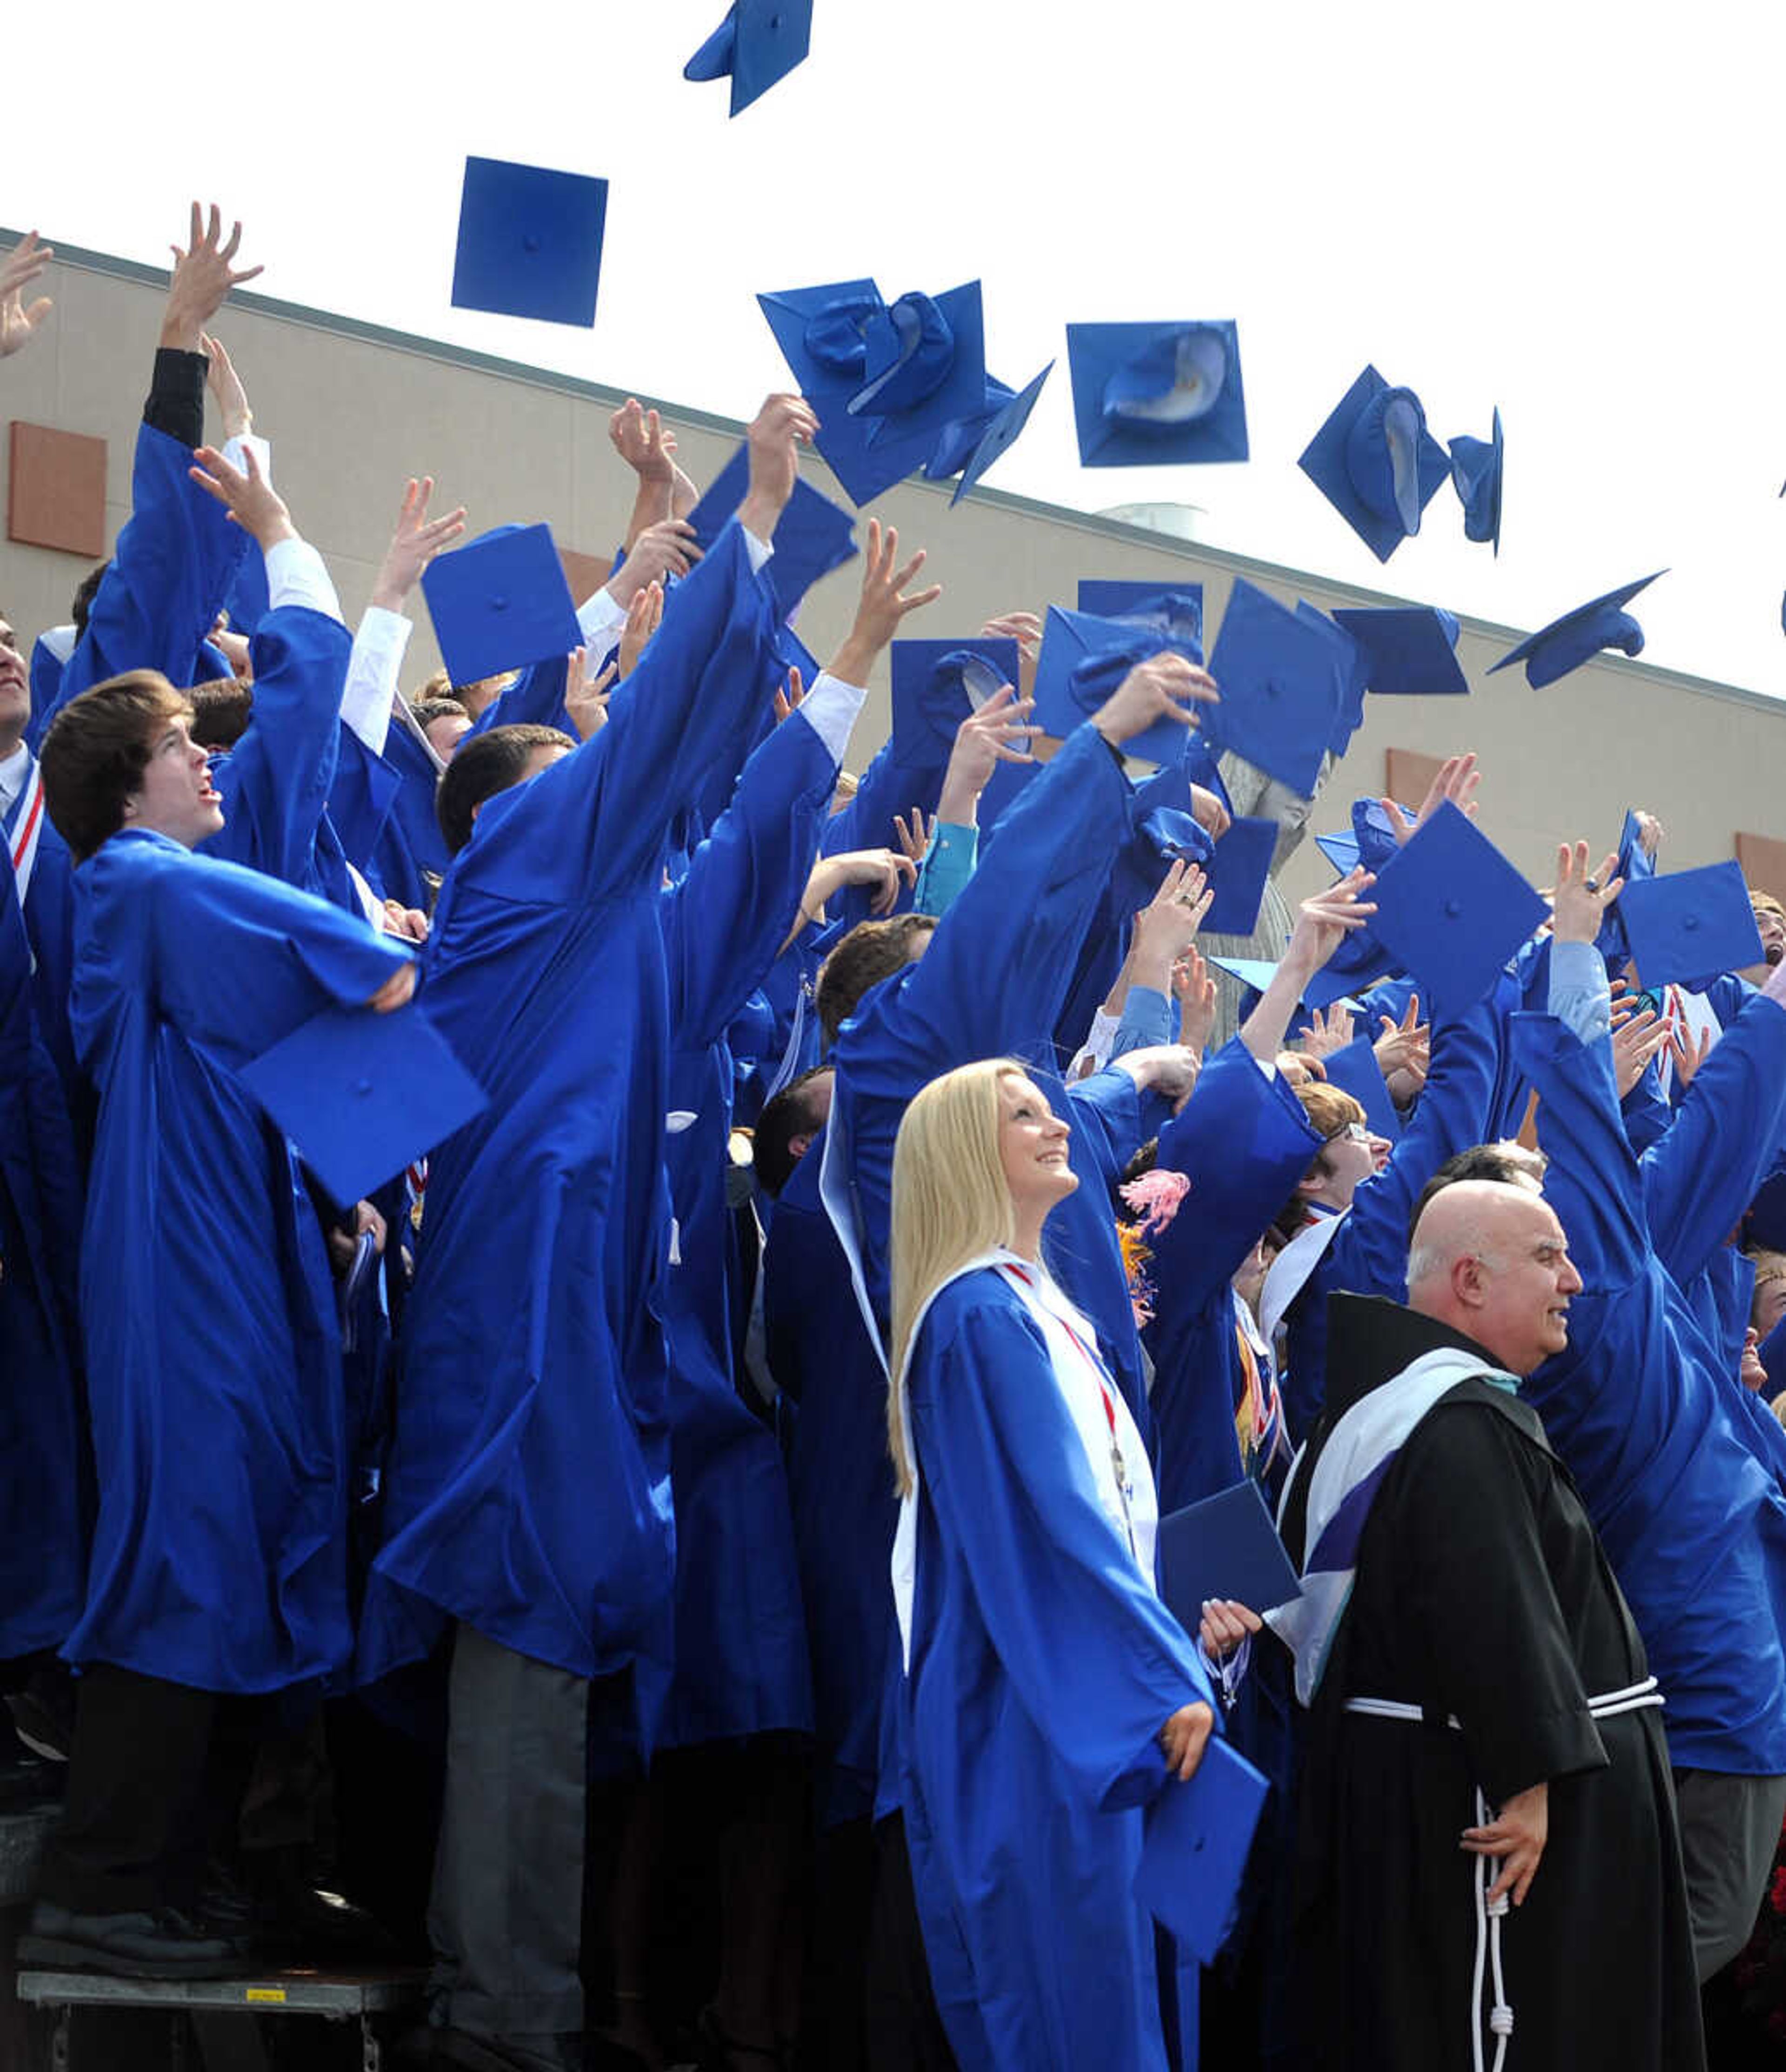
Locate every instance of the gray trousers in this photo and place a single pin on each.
(1730, 1828)
(505, 1914)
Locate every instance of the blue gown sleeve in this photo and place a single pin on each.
(1646, 1113)
(598, 818)
(276, 781)
(1109, 1116)
(170, 574)
(726, 920)
(1702, 1174)
(1095, 1660)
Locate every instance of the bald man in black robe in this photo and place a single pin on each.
(1489, 1842)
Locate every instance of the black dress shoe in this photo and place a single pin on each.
(162, 1944)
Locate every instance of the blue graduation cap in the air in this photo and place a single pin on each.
(1284, 679)
(1568, 641)
(1340, 849)
(1174, 610)
(813, 535)
(1350, 717)
(1151, 394)
(1321, 991)
(969, 446)
(500, 602)
(888, 380)
(1375, 462)
(756, 46)
(1238, 870)
(1475, 476)
(937, 684)
(1354, 1070)
(1410, 651)
(529, 242)
(1691, 927)
(361, 1095)
(1083, 660)
(1164, 833)
(1452, 910)
(1635, 865)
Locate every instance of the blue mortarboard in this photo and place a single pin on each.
(1475, 476)
(361, 1095)
(1340, 850)
(1568, 641)
(1225, 1546)
(1350, 717)
(1150, 395)
(812, 536)
(1164, 833)
(1633, 867)
(759, 43)
(887, 380)
(1410, 651)
(1321, 991)
(937, 684)
(1691, 927)
(1196, 1838)
(529, 242)
(1173, 610)
(1283, 680)
(990, 436)
(1375, 462)
(1354, 1070)
(1451, 910)
(501, 602)
(1239, 869)
(1082, 659)
(1361, 957)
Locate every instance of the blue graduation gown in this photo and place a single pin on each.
(527, 1491)
(740, 1636)
(1243, 1141)
(212, 1356)
(170, 572)
(1694, 1525)
(42, 1465)
(1043, 1668)
(1370, 1255)
(49, 927)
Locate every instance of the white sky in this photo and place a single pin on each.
(1570, 210)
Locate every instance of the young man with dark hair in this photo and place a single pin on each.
(871, 952)
(489, 763)
(217, 1576)
(789, 1122)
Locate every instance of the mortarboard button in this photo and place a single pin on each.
(529, 242)
(1284, 678)
(501, 602)
(1376, 463)
(1409, 651)
(1566, 643)
(1690, 927)
(812, 536)
(1197, 1839)
(1475, 476)
(1147, 395)
(362, 1095)
(1451, 910)
(756, 46)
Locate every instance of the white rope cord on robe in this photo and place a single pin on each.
(1490, 1913)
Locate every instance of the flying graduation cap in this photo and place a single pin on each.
(1284, 678)
(1410, 651)
(1475, 476)
(529, 242)
(969, 447)
(500, 602)
(1566, 643)
(756, 47)
(1150, 395)
(1375, 462)
(1691, 927)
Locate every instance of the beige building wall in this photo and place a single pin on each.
(352, 412)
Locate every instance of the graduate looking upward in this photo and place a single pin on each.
(218, 1572)
(528, 1510)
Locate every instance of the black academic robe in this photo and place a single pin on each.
(1481, 1592)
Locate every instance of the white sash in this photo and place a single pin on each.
(1289, 1272)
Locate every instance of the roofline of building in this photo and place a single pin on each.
(1115, 529)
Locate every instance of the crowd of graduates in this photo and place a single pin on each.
(603, 1327)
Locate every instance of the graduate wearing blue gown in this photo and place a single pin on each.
(1693, 1524)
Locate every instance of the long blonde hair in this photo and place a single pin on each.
(951, 1203)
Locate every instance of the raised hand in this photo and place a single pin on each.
(251, 500)
(1324, 922)
(418, 539)
(1166, 686)
(666, 549)
(883, 604)
(915, 836)
(1024, 627)
(995, 733)
(1637, 1039)
(639, 439)
(1196, 992)
(789, 701)
(204, 274)
(778, 430)
(644, 615)
(585, 696)
(1457, 781)
(1403, 1050)
(226, 389)
(1209, 813)
(1689, 1056)
(1579, 905)
(1167, 926)
(20, 267)
(1322, 1038)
